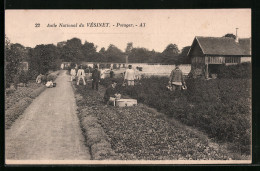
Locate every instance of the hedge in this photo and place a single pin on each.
(242, 70)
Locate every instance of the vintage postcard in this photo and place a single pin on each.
(128, 86)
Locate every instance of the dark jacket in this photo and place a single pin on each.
(176, 76)
(111, 74)
(96, 75)
(110, 92)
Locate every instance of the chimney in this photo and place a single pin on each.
(236, 36)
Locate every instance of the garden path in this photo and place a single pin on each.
(49, 128)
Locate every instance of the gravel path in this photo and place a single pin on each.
(49, 128)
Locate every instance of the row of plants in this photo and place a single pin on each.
(96, 139)
(16, 104)
(219, 107)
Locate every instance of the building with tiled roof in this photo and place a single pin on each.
(207, 53)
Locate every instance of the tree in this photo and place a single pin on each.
(102, 50)
(72, 51)
(230, 35)
(113, 54)
(183, 56)
(14, 54)
(88, 50)
(139, 55)
(170, 54)
(7, 42)
(44, 58)
(129, 48)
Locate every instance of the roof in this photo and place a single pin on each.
(245, 44)
(223, 46)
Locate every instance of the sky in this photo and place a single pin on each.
(162, 27)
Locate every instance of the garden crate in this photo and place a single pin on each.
(126, 102)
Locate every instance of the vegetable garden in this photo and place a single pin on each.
(216, 110)
(220, 107)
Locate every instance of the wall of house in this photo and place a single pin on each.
(195, 50)
(245, 59)
(197, 59)
(215, 60)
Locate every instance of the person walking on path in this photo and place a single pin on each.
(130, 76)
(112, 73)
(176, 78)
(95, 78)
(73, 74)
(102, 72)
(62, 66)
(81, 75)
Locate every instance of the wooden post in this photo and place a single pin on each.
(207, 67)
(207, 71)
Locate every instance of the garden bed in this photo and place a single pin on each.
(95, 138)
(221, 108)
(140, 133)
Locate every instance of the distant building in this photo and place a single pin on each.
(207, 53)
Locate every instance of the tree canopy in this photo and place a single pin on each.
(230, 35)
(44, 58)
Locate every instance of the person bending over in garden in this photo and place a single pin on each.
(73, 74)
(176, 78)
(39, 79)
(49, 84)
(44, 79)
(81, 75)
(111, 93)
(130, 76)
(95, 78)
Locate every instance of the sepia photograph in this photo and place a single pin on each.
(127, 87)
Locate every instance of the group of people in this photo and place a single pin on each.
(43, 79)
(80, 74)
(176, 83)
(131, 76)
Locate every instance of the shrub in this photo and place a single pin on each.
(33, 74)
(24, 77)
(242, 70)
(51, 77)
